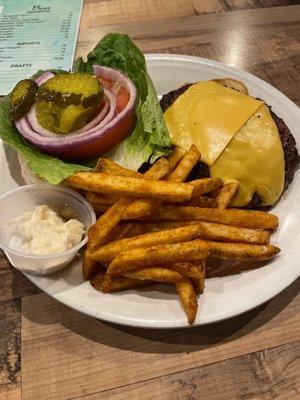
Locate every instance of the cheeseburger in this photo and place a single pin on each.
(239, 137)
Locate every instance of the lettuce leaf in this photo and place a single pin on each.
(148, 141)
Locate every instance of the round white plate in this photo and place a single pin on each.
(223, 297)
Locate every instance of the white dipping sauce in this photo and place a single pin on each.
(42, 232)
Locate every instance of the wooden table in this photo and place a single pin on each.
(48, 351)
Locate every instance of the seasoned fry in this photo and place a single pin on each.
(89, 267)
(243, 218)
(188, 299)
(141, 208)
(226, 194)
(103, 199)
(202, 201)
(195, 250)
(187, 269)
(158, 170)
(176, 235)
(228, 233)
(209, 231)
(108, 284)
(112, 168)
(98, 232)
(205, 185)
(135, 187)
(198, 283)
(144, 207)
(190, 159)
(156, 274)
(242, 251)
(175, 157)
(103, 226)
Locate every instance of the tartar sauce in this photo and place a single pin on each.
(42, 232)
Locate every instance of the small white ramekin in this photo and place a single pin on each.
(66, 202)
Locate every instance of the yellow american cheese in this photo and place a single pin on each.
(255, 158)
(208, 115)
(236, 136)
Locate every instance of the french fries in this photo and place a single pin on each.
(206, 185)
(157, 170)
(226, 194)
(98, 198)
(243, 218)
(110, 167)
(134, 187)
(143, 207)
(203, 230)
(98, 232)
(89, 266)
(202, 201)
(156, 274)
(213, 231)
(187, 269)
(242, 251)
(198, 283)
(177, 235)
(175, 157)
(185, 166)
(107, 284)
(188, 299)
(157, 228)
(195, 250)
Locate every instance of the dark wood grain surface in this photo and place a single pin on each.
(48, 351)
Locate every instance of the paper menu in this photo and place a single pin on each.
(36, 35)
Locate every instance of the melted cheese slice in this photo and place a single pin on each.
(208, 115)
(255, 158)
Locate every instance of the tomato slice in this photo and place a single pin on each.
(122, 96)
(102, 144)
(122, 99)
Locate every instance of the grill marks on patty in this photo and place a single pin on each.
(291, 155)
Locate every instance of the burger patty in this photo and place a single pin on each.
(291, 155)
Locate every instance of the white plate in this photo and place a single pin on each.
(223, 297)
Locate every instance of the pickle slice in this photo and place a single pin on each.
(47, 114)
(22, 97)
(62, 119)
(72, 89)
(72, 118)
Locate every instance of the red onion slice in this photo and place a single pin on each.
(44, 77)
(97, 136)
(32, 119)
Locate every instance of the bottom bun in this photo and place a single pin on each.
(28, 176)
